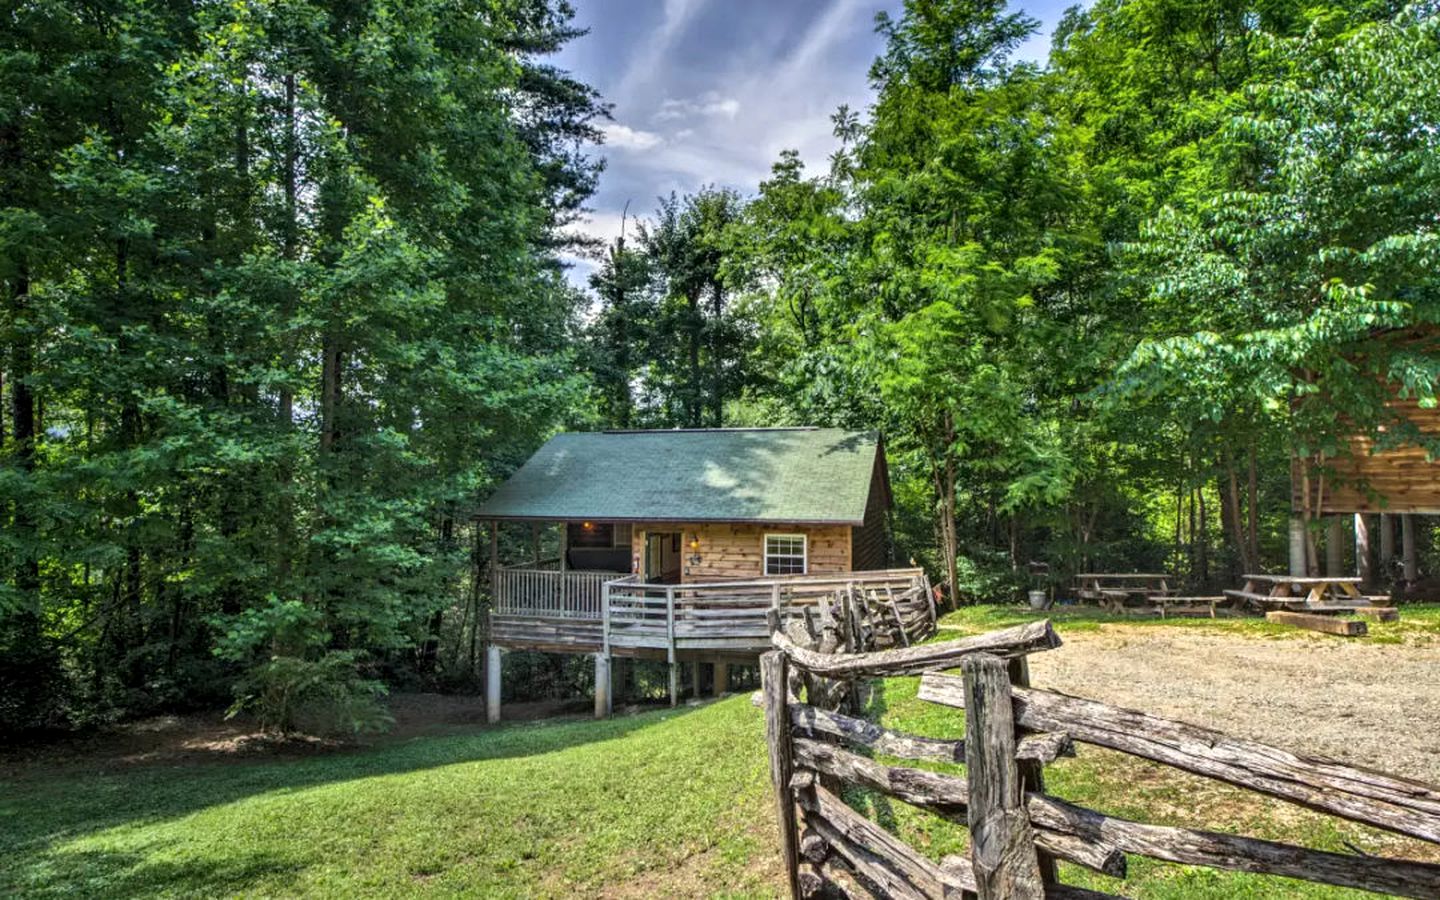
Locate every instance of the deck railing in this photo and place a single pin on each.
(550, 593)
(731, 615)
(720, 616)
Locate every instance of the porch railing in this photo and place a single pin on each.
(572, 594)
(731, 614)
(720, 616)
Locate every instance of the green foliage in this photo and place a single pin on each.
(280, 297)
(291, 679)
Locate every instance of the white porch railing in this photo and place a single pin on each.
(721, 616)
(572, 594)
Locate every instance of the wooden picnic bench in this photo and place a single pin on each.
(1324, 593)
(1113, 590)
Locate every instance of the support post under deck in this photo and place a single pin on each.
(602, 685)
(1298, 564)
(1407, 548)
(722, 678)
(1335, 547)
(492, 684)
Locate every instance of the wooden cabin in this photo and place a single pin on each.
(674, 544)
(1386, 471)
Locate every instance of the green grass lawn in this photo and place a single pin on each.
(661, 802)
(1419, 623)
(644, 801)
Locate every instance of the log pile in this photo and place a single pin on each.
(1017, 829)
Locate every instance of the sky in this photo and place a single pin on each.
(708, 92)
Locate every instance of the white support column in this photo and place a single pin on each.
(602, 685)
(670, 649)
(1363, 567)
(1387, 545)
(1298, 566)
(722, 678)
(492, 684)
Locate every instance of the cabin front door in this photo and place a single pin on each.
(662, 557)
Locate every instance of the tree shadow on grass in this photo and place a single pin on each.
(42, 811)
(105, 873)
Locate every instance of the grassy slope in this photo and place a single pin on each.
(629, 805)
(661, 802)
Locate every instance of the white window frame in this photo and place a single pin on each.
(766, 555)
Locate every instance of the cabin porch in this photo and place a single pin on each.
(610, 614)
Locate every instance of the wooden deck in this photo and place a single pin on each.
(614, 614)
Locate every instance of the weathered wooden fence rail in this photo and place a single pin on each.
(1016, 829)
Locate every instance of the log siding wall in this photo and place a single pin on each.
(737, 550)
(1402, 480)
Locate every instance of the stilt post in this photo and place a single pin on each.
(1363, 566)
(1298, 565)
(670, 646)
(492, 684)
(1335, 547)
(1407, 548)
(602, 685)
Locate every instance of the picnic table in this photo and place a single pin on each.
(1113, 589)
(1311, 593)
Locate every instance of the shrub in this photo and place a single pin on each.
(292, 681)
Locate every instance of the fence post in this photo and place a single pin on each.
(1002, 842)
(777, 735)
(1032, 771)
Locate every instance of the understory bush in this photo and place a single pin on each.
(293, 681)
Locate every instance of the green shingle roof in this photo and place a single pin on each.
(796, 475)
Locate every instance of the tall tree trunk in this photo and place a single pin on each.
(1252, 508)
(25, 431)
(1231, 518)
(331, 360)
(285, 524)
(693, 409)
(1202, 552)
(951, 540)
(717, 363)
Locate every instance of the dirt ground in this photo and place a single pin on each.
(1371, 705)
(210, 737)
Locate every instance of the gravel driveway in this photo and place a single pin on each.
(1374, 705)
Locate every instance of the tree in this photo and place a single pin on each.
(1283, 289)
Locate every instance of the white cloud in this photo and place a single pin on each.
(677, 17)
(624, 137)
(710, 103)
(606, 225)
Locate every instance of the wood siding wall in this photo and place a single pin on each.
(869, 548)
(737, 550)
(1402, 480)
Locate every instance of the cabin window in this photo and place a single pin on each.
(785, 554)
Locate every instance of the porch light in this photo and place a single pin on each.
(588, 526)
(694, 542)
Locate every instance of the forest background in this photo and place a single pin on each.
(283, 299)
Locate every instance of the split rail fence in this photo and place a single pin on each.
(1017, 830)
